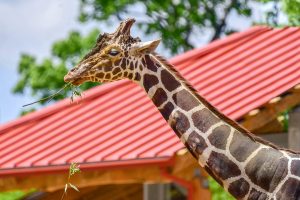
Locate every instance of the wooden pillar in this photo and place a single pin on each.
(294, 129)
(156, 191)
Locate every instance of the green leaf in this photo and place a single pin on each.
(66, 187)
(74, 168)
(74, 187)
(218, 193)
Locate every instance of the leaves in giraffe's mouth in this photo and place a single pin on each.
(74, 89)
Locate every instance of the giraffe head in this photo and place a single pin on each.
(115, 56)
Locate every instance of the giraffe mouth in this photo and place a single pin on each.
(70, 78)
(77, 82)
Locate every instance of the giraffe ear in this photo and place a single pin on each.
(147, 47)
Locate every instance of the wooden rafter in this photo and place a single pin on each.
(270, 111)
(53, 182)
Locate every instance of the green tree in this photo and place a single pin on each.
(291, 8)
(45, 77)
(15, 195)
(217, 192)
(175, 20)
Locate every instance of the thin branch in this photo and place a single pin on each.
(220, 26)
(49, 98)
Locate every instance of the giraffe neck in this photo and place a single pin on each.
(244, 165)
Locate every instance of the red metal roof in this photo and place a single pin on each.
(117, 123)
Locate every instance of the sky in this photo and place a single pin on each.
(31, 26)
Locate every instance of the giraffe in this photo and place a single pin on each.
(243, 164)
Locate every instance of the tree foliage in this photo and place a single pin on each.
(291, 8)
(175, 20)
(45, 77)
(217, 192)
(15, 195)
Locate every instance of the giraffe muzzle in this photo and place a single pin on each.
(69, 78)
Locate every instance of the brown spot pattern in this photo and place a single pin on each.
(159, 97)
(136, 65)
(289, 190)
(137, 76)
(239, 188)
(180, 123)
(116, 70)
(204, 119)
(219, 135)
(107, 69)
(185, 100)
(131, 66)
(222, 167)
(107, 76)
(242, 146)
(169, 81)
(295, 167)
(117, 62)
(213, 175)
(196, 143)
(150, 64)
(149, 81)
(267, 168)
(100, 75)
(256, 195)
(167, 110)
(123, 63)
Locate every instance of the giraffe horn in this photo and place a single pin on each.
(124, 27)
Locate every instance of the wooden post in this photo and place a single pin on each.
(294, 129)
(156, 191)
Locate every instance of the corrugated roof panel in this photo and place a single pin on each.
(117, 122)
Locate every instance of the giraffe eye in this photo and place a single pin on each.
(113, 52)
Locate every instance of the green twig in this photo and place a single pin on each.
(49, 98)
(74, 168)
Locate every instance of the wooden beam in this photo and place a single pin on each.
(187, 168)
(294, 129)
(52, 182)
(111, 192)
(200, 193)
(272, 109)
(274, 126)
(184, 166)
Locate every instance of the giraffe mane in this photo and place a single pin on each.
(215, 110)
